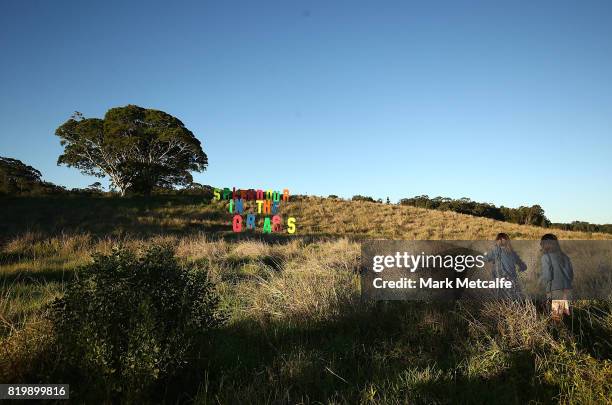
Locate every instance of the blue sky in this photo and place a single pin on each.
(505, 102)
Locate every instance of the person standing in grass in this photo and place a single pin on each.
(505, 264)
(557, 276)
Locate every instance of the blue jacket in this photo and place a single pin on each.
(505, 262)
(557, 271)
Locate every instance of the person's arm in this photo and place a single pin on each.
(520, 263)
(490, 257)
(547, 272)
(570, 268)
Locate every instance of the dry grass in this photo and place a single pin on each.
(375, 220)
(320, 284)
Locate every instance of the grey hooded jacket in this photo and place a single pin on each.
(505, 262)
(557, 271)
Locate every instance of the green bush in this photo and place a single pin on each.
(128, 323)
(359, 197)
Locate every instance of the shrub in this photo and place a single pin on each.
(359, 197)
(134, 321)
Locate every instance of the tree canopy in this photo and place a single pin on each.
(17, 177)
(138, 149)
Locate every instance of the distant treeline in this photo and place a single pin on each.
(17, 178)
(583, 227)
(533, 215)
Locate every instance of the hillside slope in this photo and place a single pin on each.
(374, 220)
(183, 215)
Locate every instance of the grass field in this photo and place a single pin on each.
(297, 331)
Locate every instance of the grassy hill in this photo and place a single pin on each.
(376, 220)
(297, 330)
(188, 215)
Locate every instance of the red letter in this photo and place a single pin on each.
(277, 223)
(237, 223)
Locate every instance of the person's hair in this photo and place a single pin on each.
(550, 244)
(503, 240)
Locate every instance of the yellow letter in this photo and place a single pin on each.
(267, 206)
(291, 225)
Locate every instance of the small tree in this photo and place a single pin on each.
(137, 148)
(97, 187)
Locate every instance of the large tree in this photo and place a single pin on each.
(137, 148)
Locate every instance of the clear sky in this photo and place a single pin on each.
(504, 102)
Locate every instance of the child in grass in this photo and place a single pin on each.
(505, 262)
(557, 276)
